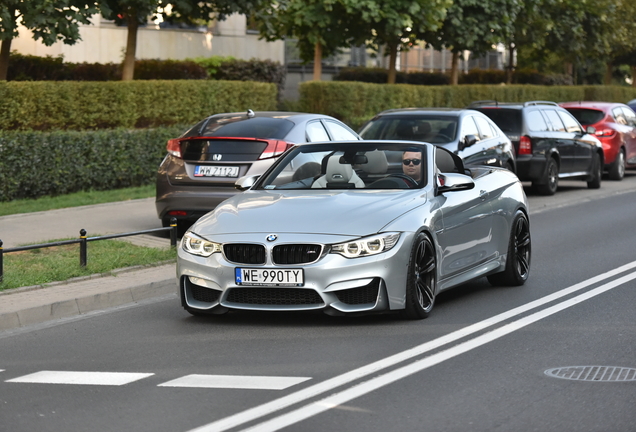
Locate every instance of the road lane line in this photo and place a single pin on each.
(235, 382)
(331, 383)
(362, 389)
(81, 378)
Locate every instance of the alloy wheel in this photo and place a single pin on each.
(522, 247)
(425, 268)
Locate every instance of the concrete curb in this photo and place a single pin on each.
(34, 305)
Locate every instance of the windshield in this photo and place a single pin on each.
(349, 166)
(436, 129)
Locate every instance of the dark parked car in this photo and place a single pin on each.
(467, 133)
(550, 143)
(615, 125)
(203, 164)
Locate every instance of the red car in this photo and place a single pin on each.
(615, 125)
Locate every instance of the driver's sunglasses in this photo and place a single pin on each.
(415, 162)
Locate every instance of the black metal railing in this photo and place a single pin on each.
(83, 242)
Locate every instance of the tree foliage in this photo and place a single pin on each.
(332, 24)
(134, 13)
(475, 26)
(49, 20)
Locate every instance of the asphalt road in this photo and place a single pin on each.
(478, 363)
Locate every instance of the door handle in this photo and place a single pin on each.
(483, 195)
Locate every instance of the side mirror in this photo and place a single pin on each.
(467, 142)
(590, 130)
(244, 183)
(451, 182)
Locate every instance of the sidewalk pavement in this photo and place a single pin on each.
(27, 306)
(34, 305)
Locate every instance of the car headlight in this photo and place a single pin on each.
(196, 245)
(366, 246)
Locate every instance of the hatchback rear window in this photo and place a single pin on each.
(586, 116)
(236, 127)
(508, 120)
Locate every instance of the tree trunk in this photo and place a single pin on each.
(5, 51)
(511, 63)
(128, 71)
(317, 62)
(633, 76)
(393, 51)
(609, 67)
(455, 68)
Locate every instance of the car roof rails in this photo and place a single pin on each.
(539, 102)
(483, 102)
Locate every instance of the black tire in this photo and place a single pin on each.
(550, 181)
(519, 254)
(421, 283)
(617, 169)
(597, 172)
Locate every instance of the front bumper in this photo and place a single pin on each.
(334, 284)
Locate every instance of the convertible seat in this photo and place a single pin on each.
(376, 166)
(338, 176)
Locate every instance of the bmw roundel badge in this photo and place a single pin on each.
(272, 237)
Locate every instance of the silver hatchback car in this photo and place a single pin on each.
(203, 164)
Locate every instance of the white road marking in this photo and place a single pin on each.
(325, 404)
(81, 378)
(332, 383)
(235, 382)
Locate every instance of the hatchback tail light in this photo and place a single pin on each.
(525, 145)
(174, 147)
(275, 148)
(604, 133)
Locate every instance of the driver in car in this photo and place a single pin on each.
(411, 164)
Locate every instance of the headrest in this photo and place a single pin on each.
(404, 129)
(376, 162)
(337, 172)
(423, 127)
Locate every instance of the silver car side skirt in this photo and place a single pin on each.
(489, 267)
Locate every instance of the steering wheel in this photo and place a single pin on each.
(410, 181)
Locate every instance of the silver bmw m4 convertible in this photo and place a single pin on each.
(356, 227)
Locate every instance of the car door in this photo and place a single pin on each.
(630, 138)
(584, 148)
(563, 141)
(466, 235)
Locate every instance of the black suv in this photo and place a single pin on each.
(550, 143)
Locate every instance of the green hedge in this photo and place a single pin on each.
(35, 164)
(46, 105)
(355, 102)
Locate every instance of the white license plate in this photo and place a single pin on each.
(269, 277)
(216, 171)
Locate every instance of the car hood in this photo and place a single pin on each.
(351, 213)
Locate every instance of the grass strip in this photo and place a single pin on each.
(59, 263)
(75, 200)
